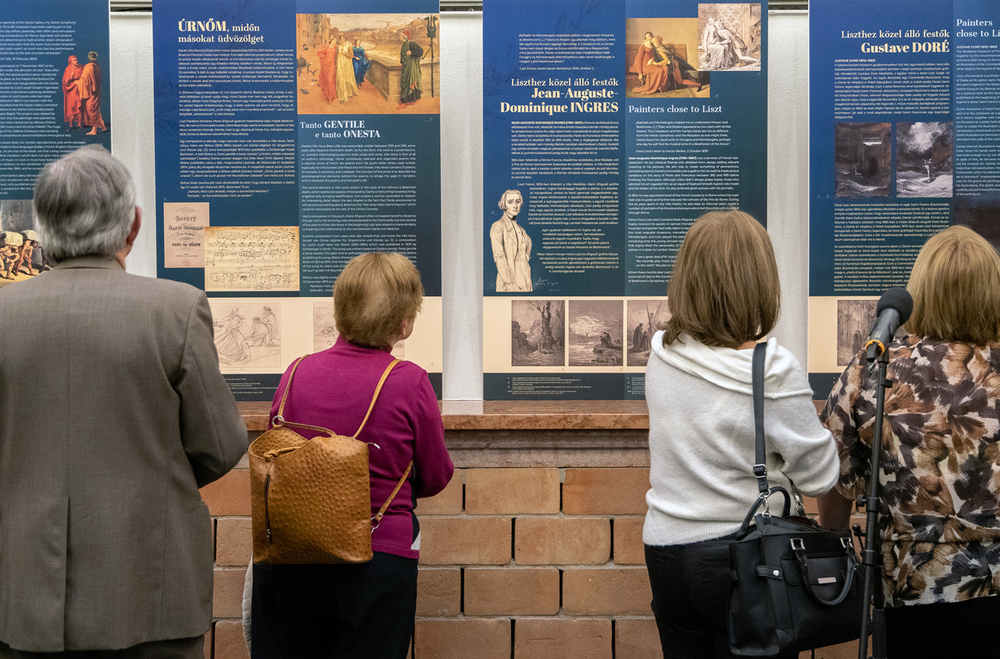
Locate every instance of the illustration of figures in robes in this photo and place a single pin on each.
(270, 322)
(650, 77)
(511, 247)
(660, 69)
(735, 47)
(229, 341)
(258, 336)
(328, 72)
(347, 87)
(361, 63)
(89, 85)
(722, 48)
(679, 74)
(410, 54)
(71, 93)
(714, 51)
(640, 339)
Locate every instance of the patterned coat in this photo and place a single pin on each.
(940, 466)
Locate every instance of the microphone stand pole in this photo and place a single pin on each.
(871, 554)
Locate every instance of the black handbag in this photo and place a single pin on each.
(795, 585)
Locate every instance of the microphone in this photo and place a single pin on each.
(894, 309)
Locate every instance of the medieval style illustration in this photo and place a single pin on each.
(924, 158)
(659, 53)
(82, 90)
(247, 334)
(730, 37)
(854, 321)
(538, 330)
(21, 255)
(595, 333)
(643, 319)
(368, 63)
(863, 159)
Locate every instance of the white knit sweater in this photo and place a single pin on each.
(701, 438)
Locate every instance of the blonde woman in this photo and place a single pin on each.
(724, 296)
(364, 610)
(347, 85)
(941, 454)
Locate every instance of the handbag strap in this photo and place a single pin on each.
(378, 390)
(760, 456)
(385, 506)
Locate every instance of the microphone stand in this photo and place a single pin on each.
(871, 554)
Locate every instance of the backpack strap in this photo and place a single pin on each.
(278, 421)
(385, 506)
(378, 390)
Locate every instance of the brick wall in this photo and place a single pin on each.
(531, 562)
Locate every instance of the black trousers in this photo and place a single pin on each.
(691, 599)
(334, 611)
(967, 629)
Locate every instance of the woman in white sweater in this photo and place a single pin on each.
(724, 296)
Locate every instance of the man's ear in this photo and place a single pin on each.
(136, 223)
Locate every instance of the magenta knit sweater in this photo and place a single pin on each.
(333, 388)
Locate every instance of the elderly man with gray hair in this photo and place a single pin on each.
(114, 414)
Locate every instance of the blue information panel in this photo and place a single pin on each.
(56, 98)
(291, 137)
(608, 128)
(904, 142)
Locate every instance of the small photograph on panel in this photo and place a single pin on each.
(247, 334)
(643, 319)
(21, 254)
(325, 329)
(595, 333)
(537, 333)
(924, 158)
(729, 37)
(368, 64)
(854, 321)
(863, 160)
(662, 55)
(978, 213)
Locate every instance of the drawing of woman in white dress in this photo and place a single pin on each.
(229, 340)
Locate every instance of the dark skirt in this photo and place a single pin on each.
(334, 611)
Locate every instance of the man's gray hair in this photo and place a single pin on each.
(84, 204)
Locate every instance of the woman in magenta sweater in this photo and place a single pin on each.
(363, 610)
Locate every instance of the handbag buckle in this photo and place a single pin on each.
(797, 544)
(848, 545)
(765, 504)
(277, 421)
(375, 523)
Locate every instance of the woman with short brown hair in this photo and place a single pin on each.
(724, 295)
(940, 460)
(363, 610)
